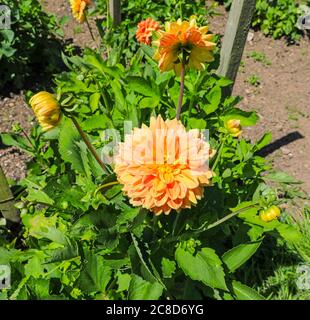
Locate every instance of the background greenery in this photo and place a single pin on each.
(78, 240)
(30, 47)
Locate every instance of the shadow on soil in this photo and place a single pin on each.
(272, 147)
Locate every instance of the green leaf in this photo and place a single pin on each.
(95, 122)
(214, 96)
(119, 96)
(224, 82)
(282, 177)
(148, 272)
(68, 147)
(206, 267)
(168, 267)
(264, 141)
(140, 289)
(149, 102)
(244, 292)
(15, 140)
(100, 65)
(289, 233)
(127, 215)
(142, 86)
(123, 281)
(194, 123)
(94, 101)
(7, 34)
(95, 275)
(34, 267)
(238, 255)
(246, 118)
(35, 195)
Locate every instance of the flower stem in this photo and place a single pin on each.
(28, 139)
(91, 31)
(219, 154)
(88, 144)
(181, 91)
(109, 184)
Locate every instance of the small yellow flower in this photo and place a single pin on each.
(270, 214)
(234, 127)
(78, 9)
(46, 109)
(187, 39)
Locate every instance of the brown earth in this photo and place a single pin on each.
(281, 97)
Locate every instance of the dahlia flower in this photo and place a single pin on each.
(146, 29)
(270, 214)
(46, 109)
(163, 167)
(234, 128)
(78, 8)
(183, 38)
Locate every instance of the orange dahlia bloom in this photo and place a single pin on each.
(164, 167)
(146, 29)
(78, 9)
(184, 38)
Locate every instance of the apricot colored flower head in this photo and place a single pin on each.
(187, 39)
(145, 30)
(234, 128)
(164, 167)
(78, 9)
(46, 109)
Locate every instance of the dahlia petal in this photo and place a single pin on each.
(168, 185)
(187, 179)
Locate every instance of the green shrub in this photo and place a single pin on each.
(81, 238)
(275, 18)
(30, 47)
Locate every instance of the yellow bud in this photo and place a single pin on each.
(234, 127)
(46, 109)
(270, 214)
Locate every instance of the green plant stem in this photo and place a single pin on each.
(28, 139)
(106, 185)
(176, 220)
(181, 91)
(210, 226)
(191, 101)
(220, 221)
(90, 31)
(219, 154)
(88, 144)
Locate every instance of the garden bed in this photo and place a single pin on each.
(281, 96)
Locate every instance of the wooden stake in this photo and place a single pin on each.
(115, 11)
(237, 28)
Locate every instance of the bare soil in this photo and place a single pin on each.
(281, 97)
